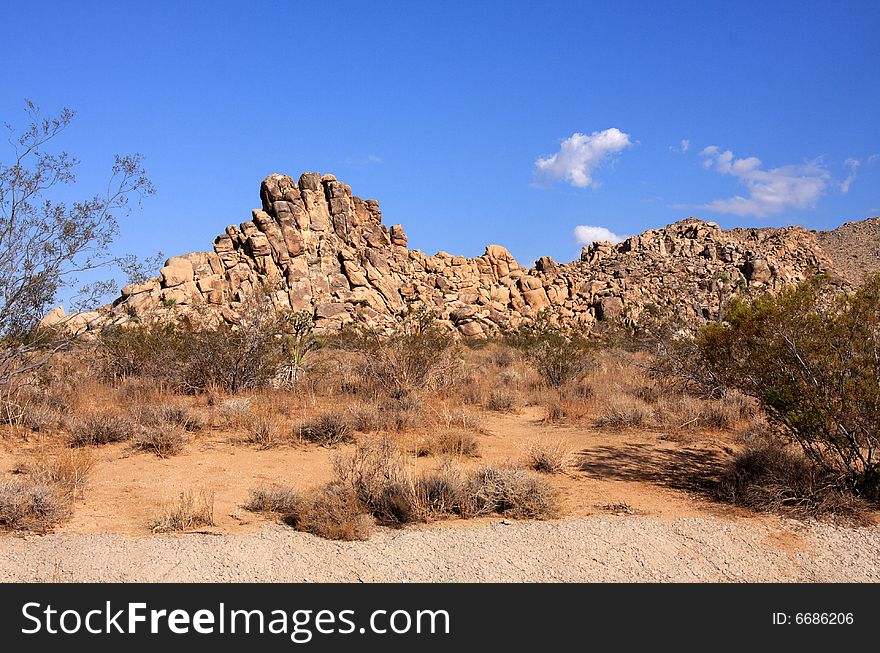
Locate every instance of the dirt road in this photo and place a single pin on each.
(585, 549)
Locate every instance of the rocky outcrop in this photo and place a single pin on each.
(315, 246)
(854, 247)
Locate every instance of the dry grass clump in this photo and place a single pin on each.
(448, 442)
(548, 456)
(164, 441)
(262, 431)
(393, 415)
(327, 430)
(234, 410)
(456, 417)
(275, 499)
(511, 492)
(101, 429)
(440, 493)
(30, 504)
(622, 411)
(378, 474)
(191, 510)
(65, 469)
(501, 400)
(170, 414)
(569, 402)
(334, 512)
(30, 411)
(374, 481)
(775, 478)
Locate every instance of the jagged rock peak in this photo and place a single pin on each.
(315, 246)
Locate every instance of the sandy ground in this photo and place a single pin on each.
(603, 549)
(634, 504)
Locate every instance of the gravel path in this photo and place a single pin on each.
(589, 549)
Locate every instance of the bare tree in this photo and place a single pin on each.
(45, 243)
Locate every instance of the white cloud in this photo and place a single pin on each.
(853, 165)
(586, 234)
(770, 191)
(580, 155)
(683, 146)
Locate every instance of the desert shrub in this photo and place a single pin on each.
(334, 512)
(328, 430)
(233, 358)
(418, 353)
(557, 411)
(262, 431)
(501, 400)
(190, 510)
(101, 429)
(509, 491)
(399, 415)
(30, 410)
(774, 478)
(170, 414)
(449, 443)
(26, 504)
(548, 457)
(813, 363)
(163, 440)
(404, 413)
(440, 493)
(457, 417)
(235, 410)
(558, 355)
(622, 411)
(276, 499)
(151, 350)
(377, 472)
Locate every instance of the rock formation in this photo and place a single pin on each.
(315, 246)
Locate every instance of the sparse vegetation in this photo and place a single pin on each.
(417, 354)
(449, 442)
(334, 512)
(624, 411)
(327, 430)
(191, 510)
(776, 478)
(164, 441)
(548, 456)
(275, 499)
(63, 468)
(559, 355)
(99, 429)
(27, 504)
(509, 491)
(501, 400)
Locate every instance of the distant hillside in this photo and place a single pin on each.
(853, 247)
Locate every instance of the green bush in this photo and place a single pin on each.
(812, 359)
(559, 355)
(417, 353)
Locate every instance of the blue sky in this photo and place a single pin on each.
(471, 122)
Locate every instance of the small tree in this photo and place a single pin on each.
(236, 357)
(560, 356)
(297, 342)
(414, 355)
(45, 242)
(814, 364)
